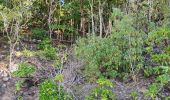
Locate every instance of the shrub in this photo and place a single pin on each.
(134, 95)
(120, 54)
(48, 90)
(49, 53)
(152, 91)
(102, 91)
(158, 51)
(100, 55)
(25, 53)
(24, 70)
(39, 33)
(47, 50)
(18, 85)
(45, 43)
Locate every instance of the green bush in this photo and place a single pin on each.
(134, 95)
(100, 55)
(45, 43)
(49, 53)
(102, 91)
(48, 90)
(120, 54)
(158, 51)
(47, 50)
(39, 33)
(18, 85)
(152, 91)
(160, 66)
(24, 70)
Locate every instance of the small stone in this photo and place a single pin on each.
(25, 93)
(38, 40)
(34, 40)
(13, 67)
(5, 46)
(5, 79)
(4, 74)
(4, 85)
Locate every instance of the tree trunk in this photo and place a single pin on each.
(100, 17)
(92, 15)
(82, 28)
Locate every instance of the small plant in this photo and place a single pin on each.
(48, 90)
(134, 95)
(47, 50)
(49, 53)
(152, 91)
(19, 98)
(163, 79)
(59, 78)
(39, 33)
(45, 43)
(18, 85)
(24, 70)
(25, 53)
(102, 91)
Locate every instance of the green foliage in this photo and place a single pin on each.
(24, 70)
(158, 49)
(134, 95)
(49, 53)
(19, 98)
(158, 70)
(129, 41)
(48, 90)
(66, 29)
(116, 55)
(100, 55)
(25, 53)
(102, 91)
(59, 78)
(163, 79)
(45, 43)
(152, 91)
(18, 85)
(161, 82)
(39, 33)
(161, 58)
(47, 50)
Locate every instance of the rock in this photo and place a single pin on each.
(38, 40)
(2, 91)
(4, 74)
(13, 67)
(4, 85)
(5, 79)
(5, 46)
(34, 40)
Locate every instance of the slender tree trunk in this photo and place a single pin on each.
(150, 3)
(92, 15)
(100, 17)
(51, 11)
(82, 28)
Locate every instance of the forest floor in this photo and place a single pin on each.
(74, 81)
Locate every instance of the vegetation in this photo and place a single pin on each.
(101, 91)
(116, 41)
(49, 90)
(24, 70)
